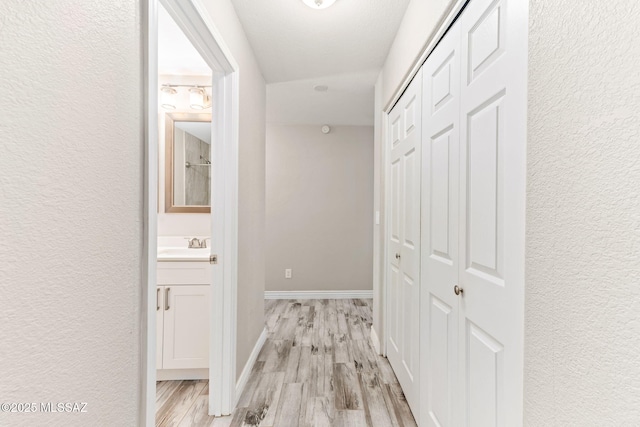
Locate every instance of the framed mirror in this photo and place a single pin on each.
(188, 163)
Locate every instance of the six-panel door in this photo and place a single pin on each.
(440, 190)
(404, 242)
(492, 211)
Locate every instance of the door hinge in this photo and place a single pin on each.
(213, 259)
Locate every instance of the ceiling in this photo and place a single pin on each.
(176, 54)
(348, 101)
(343, 47)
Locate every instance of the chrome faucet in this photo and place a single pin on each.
(195, 243)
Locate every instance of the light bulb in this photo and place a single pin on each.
(198, 98)
(168, 97)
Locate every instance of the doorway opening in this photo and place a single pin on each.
(220, 300)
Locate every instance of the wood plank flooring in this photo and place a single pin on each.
(182, 404)
(317, 368)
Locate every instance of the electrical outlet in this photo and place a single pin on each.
(287, 273)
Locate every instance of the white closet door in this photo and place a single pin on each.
(440, 187)
(403, 255)
(492, 206)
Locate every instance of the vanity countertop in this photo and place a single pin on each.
(170, 253)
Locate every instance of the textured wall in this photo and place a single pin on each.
(71, 179)
(319, 199)
(582, 342)
(251, 220)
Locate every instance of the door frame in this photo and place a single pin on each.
(194, 20)
(445, 23)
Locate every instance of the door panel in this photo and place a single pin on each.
(486, 36)
(439, 201)
(440, 159)
(404, 241)
(492, 220)
(394, 248)
(411, 208)
(484, 190)
(484, 378)
(394, 308)
(441, 368)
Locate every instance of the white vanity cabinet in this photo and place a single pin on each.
(182, 314)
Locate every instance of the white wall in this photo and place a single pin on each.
(71, 179)
(251, 219)
(420, 20)
(178, 224)
(378, 206)
(582, 321)
(319, 199)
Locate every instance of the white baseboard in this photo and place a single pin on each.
(375, 340)
(318, 294)
(248, 367)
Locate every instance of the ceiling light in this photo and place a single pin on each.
(199, 98)
(319, 4)
(321, 88)
(168, 97)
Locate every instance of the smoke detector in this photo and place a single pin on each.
(325, 129)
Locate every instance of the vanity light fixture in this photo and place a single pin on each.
(319, 4)
(168, 97)
(199, 99)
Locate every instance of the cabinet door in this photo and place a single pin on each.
(159, 324)
(186, 327)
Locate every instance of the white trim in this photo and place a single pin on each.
(318, 294)
(375, 341)
(229, 228)
(147, 400)
(248, 367)
(433, 41)
(384, 227)
(193, 18)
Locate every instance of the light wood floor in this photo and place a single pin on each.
(317, 368)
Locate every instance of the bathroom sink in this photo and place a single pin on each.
(168, 253)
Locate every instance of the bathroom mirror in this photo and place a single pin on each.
(188, 162)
